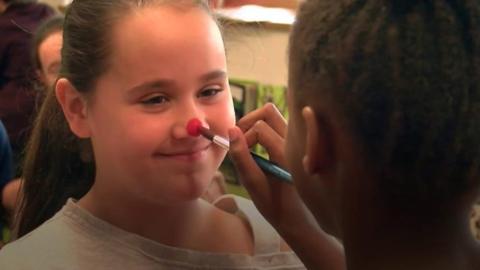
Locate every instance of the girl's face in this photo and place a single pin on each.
(166, 67)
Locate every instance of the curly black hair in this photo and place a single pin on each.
(404, 77)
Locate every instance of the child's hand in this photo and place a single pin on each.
(267, 127)
(276, 200)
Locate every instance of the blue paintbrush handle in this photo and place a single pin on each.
(272, 169)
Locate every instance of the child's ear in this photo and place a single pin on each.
(318, 149)
(74, 107)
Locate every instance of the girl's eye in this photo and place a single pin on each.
(210, 92)
(153, 100)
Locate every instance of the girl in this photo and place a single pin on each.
(133, 74)
(383, 138)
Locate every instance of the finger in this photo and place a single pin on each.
(269, 114)
(251, 176)
(264, 135)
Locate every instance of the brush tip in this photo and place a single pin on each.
(193, 127)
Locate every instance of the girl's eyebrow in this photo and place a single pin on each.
(167, 83)
(216, 74)
(160, 83)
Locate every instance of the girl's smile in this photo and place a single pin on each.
(195, 154)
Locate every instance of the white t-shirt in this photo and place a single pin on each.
(75, 239)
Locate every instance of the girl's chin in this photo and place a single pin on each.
(192, 189)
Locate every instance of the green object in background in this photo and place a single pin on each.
(233, 186)
(249, 95)
(5, 235)
(244, 94)
(276, 94)
(238, 190)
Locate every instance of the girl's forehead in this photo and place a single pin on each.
(166, 42)
(167, 17)
(163, 25)
(155, 28)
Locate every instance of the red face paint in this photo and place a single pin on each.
(195, 128)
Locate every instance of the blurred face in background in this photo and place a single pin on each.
(49, 55)
(3, 6)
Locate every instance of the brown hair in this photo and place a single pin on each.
(58, 165)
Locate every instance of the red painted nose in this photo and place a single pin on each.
(193, 127)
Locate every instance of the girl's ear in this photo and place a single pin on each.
(74, 107)
(318, 149)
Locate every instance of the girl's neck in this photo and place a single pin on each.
(143, 218)
(188, 225)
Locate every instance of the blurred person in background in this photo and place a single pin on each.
(45, 52)
(18, 20)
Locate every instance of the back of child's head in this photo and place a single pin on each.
(403, 77)
(59, 165)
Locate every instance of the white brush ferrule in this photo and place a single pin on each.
(221, 141)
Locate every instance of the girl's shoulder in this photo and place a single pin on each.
(73, 239)
(266, 239)
(52, 239)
